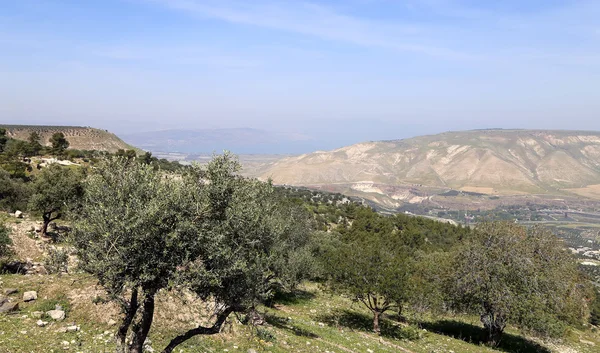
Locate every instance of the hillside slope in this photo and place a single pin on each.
(81, 138)
(499, 162)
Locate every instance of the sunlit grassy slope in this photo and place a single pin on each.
(312, 321)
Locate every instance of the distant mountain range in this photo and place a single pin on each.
(240, 141)
(486, 162)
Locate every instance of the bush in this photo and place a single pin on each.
(5, 242)
(57, 261)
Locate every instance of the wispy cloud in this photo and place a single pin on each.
(318, 21)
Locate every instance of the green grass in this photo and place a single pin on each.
(310, 321)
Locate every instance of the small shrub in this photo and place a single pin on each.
(265, 335)
(5, 242)
(57, 261)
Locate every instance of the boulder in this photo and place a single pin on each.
(72, 328)
(41, 270)
(19, 214)
(29, 296)
(9, 307)
(57, 315)
(9, 291)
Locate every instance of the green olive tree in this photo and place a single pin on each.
(209, 231)
(54, 190)
(510, 274)
(370, 262)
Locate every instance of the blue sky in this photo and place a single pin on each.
(339, 71)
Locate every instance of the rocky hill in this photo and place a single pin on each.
(487, 162)
(81, 138)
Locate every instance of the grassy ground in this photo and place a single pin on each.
(312, 321)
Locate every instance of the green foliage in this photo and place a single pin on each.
(221, 236)
(370, 262)
(58, 144)
(595, 309)
(265, 335)
(3, 139)
(14, 193)
(57, 260)
(55, 190)
(5, 241)
(34, 148)
(509, 274)
(128, 154)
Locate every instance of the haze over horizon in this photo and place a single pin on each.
(336, 72)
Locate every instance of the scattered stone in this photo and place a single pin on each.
(62, 330)
(41, 270)
(57, 315)
(37, 314)
(252, 350)
(321, 324)
(29, 296)
(23, 332)
(65, 343)
(9, 291)
(112, 322)
(41, 323)
(73, 328)
(9, 307)
(19, 214)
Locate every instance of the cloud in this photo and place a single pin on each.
(318, 21)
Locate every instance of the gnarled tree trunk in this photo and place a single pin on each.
(200, 330)
(142, 326)
(130, 310)
(494, 325)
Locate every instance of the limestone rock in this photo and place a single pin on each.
(57, 315)
(41, 323)
(9, 291)
(73, 328)
(19, 214)
(29, 296)
(9, 307)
